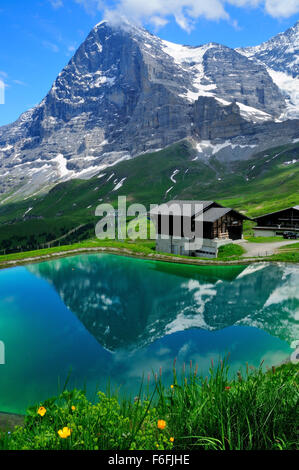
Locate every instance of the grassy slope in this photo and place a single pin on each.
(272, 185)
(257, 186)
(254, 411)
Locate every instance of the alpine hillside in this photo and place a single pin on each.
(264, 183)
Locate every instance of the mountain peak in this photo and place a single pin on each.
(279, 53)
(292, 33)
(120, 23)
(101, 23)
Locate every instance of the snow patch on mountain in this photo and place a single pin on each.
(290, 87)
(173, 175)
(27, 211)
(168, 190)
(6, 148)
(280, 53)
(190, 59)
(62, 165)
(252, 114)
(119, 185)
(207, 148)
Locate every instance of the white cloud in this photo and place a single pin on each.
(50, 45)
(2, 92)
(56, 3)
(19, 82)
(92, 6)
(245, 3)
(282, 8)
(185, 12)
(158, 21)
(159, 12)
(3, 85)
(71, 49)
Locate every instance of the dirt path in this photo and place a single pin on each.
(264, 249)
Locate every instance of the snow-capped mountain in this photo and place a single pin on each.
(126, 92)
(280, 55)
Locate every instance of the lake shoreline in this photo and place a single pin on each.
(8, 421)
(132, 254)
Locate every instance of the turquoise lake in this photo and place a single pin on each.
(101, 318)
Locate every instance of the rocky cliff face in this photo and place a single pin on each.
(280, 57)
(125, 92)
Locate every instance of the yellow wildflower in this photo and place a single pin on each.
(42, 411)
(171, 439)
(73, 408)
(171, 386)
(161, 424)
(64, 433)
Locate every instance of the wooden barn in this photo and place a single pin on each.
(278, 222)
(212, 225)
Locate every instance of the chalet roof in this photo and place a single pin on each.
(215, 213)
(277, 212)
(208, 214)
(163, 208)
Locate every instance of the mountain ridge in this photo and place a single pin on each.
(126, 92)
(280, 55)
(264, 51)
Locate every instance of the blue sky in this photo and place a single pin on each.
(38, 37)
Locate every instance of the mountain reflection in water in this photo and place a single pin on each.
(128, 304)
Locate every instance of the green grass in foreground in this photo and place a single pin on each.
(287, 254)
(264, 239)
(140, 246)
(254, 411)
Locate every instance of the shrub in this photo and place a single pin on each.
(99, 426)
(229, 251)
